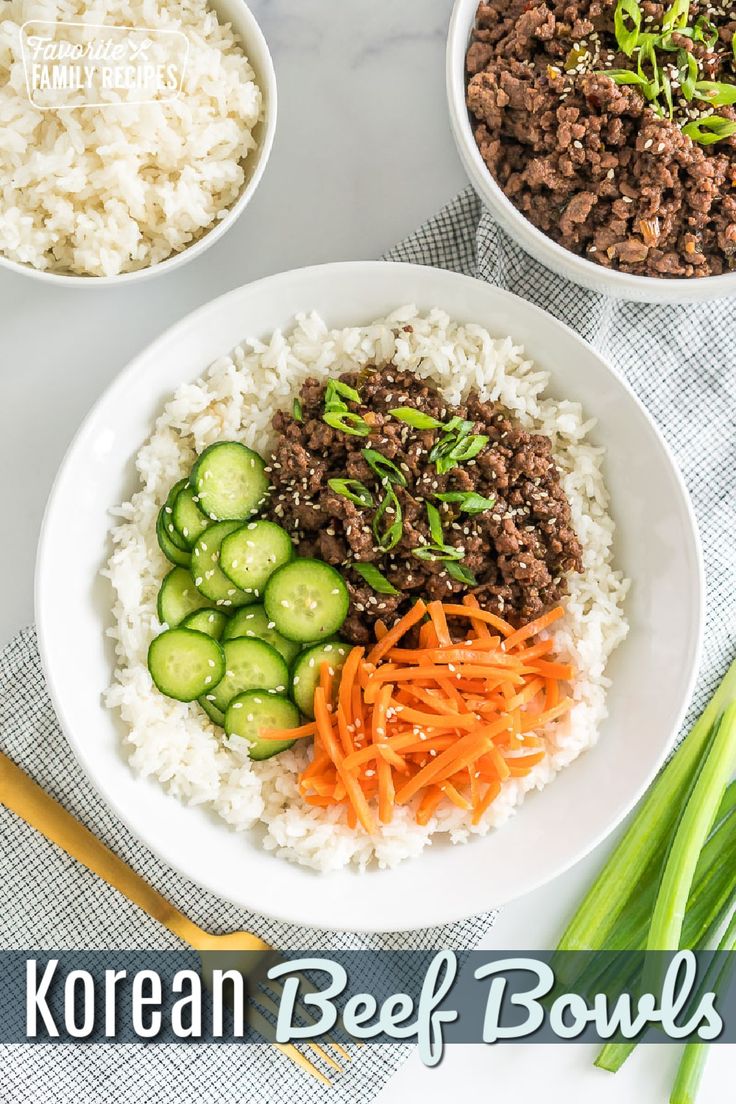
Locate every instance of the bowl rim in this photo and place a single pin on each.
(549, 252)
(445, 911)
(266, 77)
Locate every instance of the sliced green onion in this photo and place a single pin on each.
(465, 449)
(716, 92)
(335, 388)
(389, 537)
(384, 468)
(706, 32)
(297, 412)
(461, 573)
(353, 490)
(451, 451)
(687, 73)
(648, 56)
(623, 76)
(459, 426)
(709, 129)
(435, 525)
(667, 89)
(374, 578)
(347, 422)
(627, 24)
(430, 552)
(675, 18)
(452, 432)
(470, 502)
(417, 419)
(438, 550)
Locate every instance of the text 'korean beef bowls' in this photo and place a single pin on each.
(610, 125)
(364, 596)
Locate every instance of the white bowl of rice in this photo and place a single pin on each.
(120, 191)
(632, 625)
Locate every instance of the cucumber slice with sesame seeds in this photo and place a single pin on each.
(253, 621)
(209, 621)
(250, 555)
(250, 665)
(253, 713)
(166, 516)
(185, 664)
(171, 551)
(230, 481)
(215, 715)
(307, 600)
(178, 597)
(208, 577)
(187, 518)
(305, 675)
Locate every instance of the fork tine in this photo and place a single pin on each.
(264, 999)
(290, 1051)
(307, 1015)
(264, 1028)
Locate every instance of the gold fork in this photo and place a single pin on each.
(23, 796)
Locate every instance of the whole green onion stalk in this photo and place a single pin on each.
(647, 835)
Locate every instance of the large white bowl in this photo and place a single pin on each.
(652, 672)
(256, 49)
(608, 281)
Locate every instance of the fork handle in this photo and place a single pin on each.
(23, 796)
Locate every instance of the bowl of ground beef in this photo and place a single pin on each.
(601, 135)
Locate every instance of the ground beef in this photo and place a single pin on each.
(519, 550)
(586, 160)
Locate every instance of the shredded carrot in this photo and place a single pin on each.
(408, 621)
(475, 613)
(288, 733)
(447, 720)
(439, 621)
(533, 628)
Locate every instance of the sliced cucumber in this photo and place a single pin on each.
(216, 715)
(209, 621)
(250, 555)
(187, 518)
(230, 481)
(171, 551)
(178, 597)
(305, 676)
(254, 712)
(208, 577)
(307, 600)
(253, 621)
(185, 664)
(167, 516)
(249, 665)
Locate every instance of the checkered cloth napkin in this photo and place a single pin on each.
(680, 361)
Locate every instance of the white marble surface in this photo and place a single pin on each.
(363, 154)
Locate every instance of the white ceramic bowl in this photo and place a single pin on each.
(620, 285)
(652, 672)
(256, 49)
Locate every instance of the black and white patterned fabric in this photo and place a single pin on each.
(680, 361)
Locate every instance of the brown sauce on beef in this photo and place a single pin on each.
(519, 551)
(587, 161)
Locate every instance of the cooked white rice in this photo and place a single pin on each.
(236, 399)
(103, 190)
